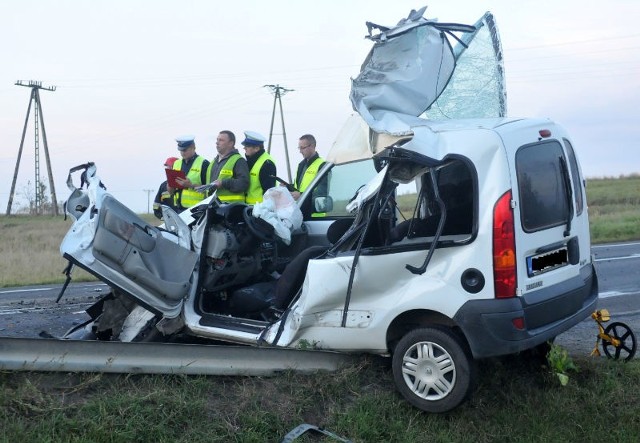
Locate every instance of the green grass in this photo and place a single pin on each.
(30, 250)
(614, 209)
(516, 400)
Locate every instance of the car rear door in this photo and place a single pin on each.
(549, 235)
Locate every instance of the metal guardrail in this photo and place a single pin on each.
(50, 355)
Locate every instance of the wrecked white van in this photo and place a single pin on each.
(435, 242)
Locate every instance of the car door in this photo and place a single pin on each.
(324, 205)
(115, 244)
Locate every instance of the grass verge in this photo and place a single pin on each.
(30, 250)
(516, 399)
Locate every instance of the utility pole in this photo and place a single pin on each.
(278, 91)
(35, 97)
(148, 191)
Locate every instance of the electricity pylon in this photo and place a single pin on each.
(278, 91)
(148, 191)
(35, 97)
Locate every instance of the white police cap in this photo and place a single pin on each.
(185, 142)
(252, 138)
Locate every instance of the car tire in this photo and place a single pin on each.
(432, 369)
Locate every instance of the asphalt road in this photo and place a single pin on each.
(29, 311)
(619, 286)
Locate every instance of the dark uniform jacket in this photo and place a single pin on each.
(267, 174)
(163, 198)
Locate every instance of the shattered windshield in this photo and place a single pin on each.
(398, 91)
(407, 69)
(413, 70)
(477, 87)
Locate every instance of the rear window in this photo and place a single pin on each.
(541, 186)
(578, 195)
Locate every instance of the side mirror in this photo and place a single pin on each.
(323, 204)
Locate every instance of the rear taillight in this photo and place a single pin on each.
(504, 248)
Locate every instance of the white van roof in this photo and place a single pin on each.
(356, 141)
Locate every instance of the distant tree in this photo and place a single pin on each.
(28, 193)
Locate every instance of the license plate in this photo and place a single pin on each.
(541, 263)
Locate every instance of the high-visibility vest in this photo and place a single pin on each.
(226, 195)
(309, 174)
(189, 197)
(255, 192)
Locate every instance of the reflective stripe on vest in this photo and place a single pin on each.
(227, 172)
(189, 197)
(309, 174)
(255, 192)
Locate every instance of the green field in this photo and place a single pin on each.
(614, 209)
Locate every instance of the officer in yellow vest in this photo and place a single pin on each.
(309, 166)
(229, 171)
(195, 168)
(262, 168)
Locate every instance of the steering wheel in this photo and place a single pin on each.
(257, 226)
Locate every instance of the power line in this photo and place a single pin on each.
(278, 91)
(35, 97)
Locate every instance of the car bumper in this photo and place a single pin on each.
(489, 325)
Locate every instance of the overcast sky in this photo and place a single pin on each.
(132, 75)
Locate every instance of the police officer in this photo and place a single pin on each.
(229, 171)
(195, 168)
(164, 197)
(262, 168)
(309, 166)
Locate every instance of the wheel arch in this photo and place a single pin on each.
(420, 318)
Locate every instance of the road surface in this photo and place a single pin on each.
(31, 311)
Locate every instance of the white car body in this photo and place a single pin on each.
(494, 257)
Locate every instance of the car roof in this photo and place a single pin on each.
(356, 141)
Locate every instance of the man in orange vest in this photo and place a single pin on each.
(229, 171)
(262, 168)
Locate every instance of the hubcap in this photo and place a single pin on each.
(429, 370)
